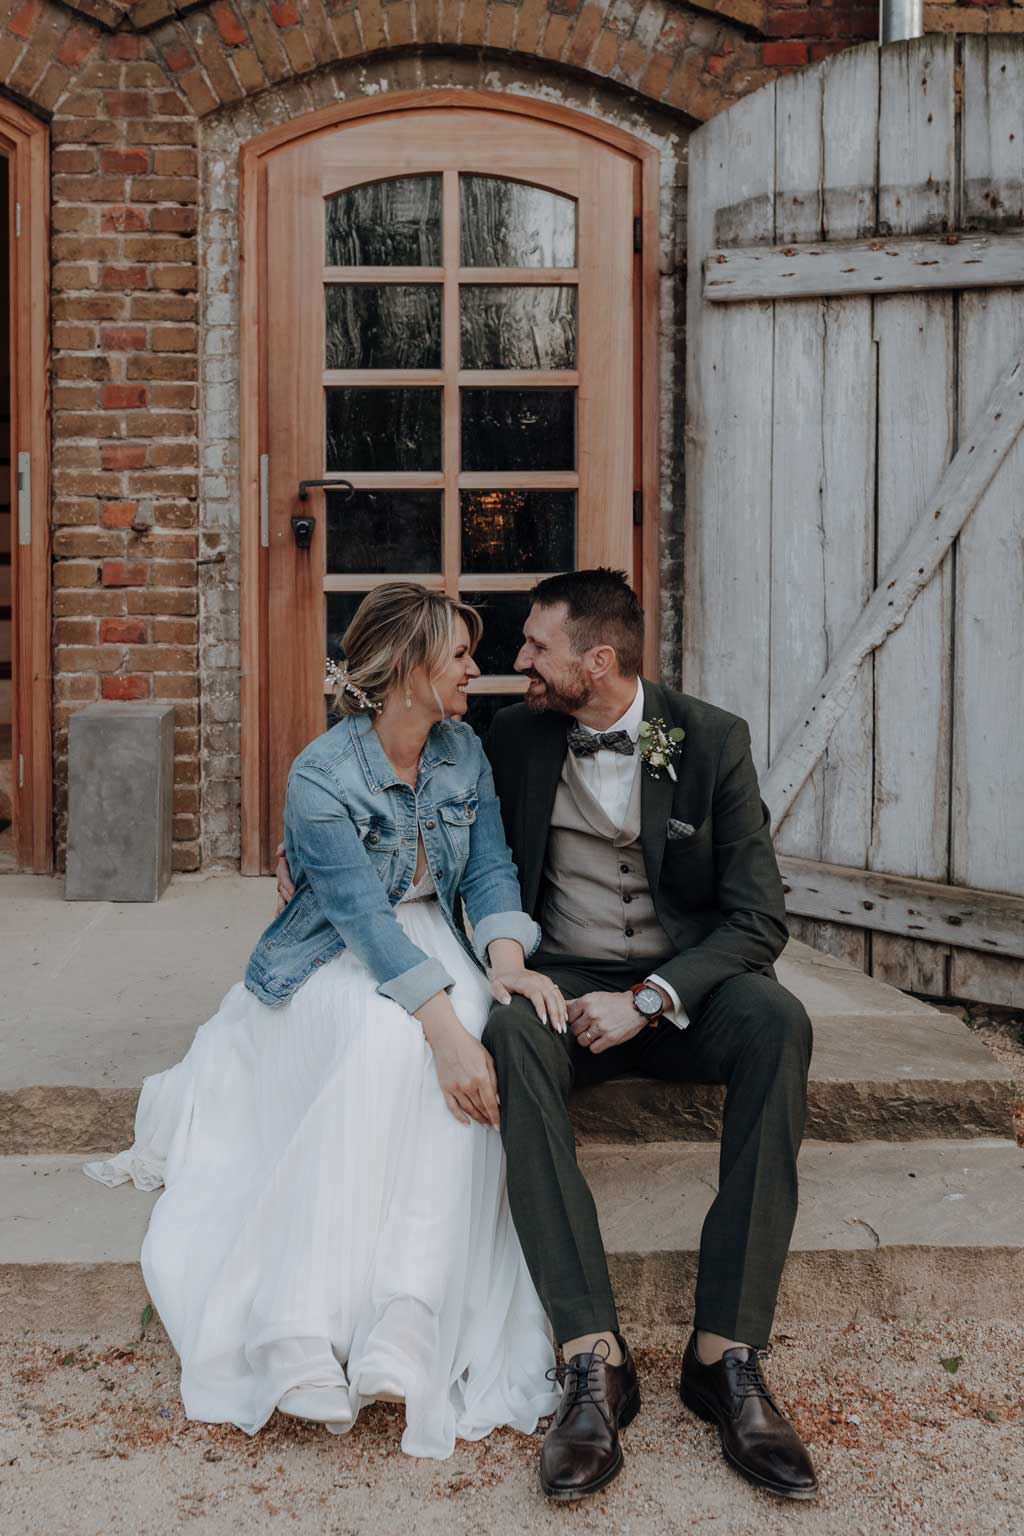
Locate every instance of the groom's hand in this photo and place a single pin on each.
(285, 888)
(600, 1020)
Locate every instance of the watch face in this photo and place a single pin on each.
(648, 1001)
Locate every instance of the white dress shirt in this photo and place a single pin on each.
(610, 777)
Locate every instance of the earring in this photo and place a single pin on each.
(408, 698)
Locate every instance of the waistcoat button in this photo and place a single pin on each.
(629, 933)
(431, 824)
(623, 869)
(627, 898)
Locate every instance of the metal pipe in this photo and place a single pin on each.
(900, 19)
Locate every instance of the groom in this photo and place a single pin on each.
(661, 909)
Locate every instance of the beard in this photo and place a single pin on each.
(569, 694)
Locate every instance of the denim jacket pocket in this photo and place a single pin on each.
(458, 817)
(379, 836)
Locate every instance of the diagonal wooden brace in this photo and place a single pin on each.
(964, 483)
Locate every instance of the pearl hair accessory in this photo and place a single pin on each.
(340, 678)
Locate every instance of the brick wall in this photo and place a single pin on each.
(144, 489)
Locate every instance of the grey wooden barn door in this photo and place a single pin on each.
(854, 550)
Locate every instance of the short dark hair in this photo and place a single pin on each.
(603, 610)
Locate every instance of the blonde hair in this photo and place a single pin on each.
(398, 627)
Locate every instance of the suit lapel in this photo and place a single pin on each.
(655, 796)
(546, 748)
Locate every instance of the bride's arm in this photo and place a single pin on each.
(350, 895)
(508, 973)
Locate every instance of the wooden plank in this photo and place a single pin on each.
(27, 143)
(916, 363)
(879, 266)
(823, 496)
(988, 695)
(896, 904)
(251, 617)
(947, 510)
(727, 529)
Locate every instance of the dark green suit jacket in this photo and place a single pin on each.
(717, 889)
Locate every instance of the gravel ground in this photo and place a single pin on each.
(93, 1442)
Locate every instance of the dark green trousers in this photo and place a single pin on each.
(750, 1034)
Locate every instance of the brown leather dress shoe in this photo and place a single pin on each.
(757, 1438)
(581, 1451)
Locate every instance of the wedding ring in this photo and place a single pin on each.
(586, 1035)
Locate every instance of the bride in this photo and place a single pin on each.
(334, 1228)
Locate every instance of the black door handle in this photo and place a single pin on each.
(335, 485)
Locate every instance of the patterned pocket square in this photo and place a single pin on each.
(678, 829)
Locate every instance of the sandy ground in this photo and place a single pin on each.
(93, 1441)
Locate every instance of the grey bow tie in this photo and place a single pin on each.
(585, 743)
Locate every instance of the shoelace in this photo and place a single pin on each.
(577, 1372)
(748, 1378)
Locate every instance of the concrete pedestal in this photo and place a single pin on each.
(120, 802)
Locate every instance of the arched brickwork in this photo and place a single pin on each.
(133, 92)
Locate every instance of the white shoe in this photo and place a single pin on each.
(323, 1405)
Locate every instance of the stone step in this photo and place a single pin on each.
(927, 1228)
(100, 995)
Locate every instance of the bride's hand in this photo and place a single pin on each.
(464, 1069)
(548, 1002)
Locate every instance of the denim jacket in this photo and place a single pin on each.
(351, 840)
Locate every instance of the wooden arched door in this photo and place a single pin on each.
(450, 324)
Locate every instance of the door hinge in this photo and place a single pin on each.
(638, 509)
(264, 500)
(21, 770)
(638, 234)
(24, 498)
(17, 221)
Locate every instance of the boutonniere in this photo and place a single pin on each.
(658, 746)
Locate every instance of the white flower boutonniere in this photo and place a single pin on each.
(658, 746)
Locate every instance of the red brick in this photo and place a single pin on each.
(125, 687)
(119, 514)
(166, 602)
(124, 455)
(23, 21)
(162, 658)
(123, 631)
(77, 46)
(129, 162)
(124, 277)
(783, 55)
(122, 220)
(283, 12)
(228, 24)
(74, 573)
(127, 103)
(122, 397)
(124, 573)
(123, 338)
(125, 47)
(178, 58)
(799, 24)
(75, 631)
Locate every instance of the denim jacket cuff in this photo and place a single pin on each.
(413, 987)
(506, 925)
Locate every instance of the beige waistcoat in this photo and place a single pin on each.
(597, 903)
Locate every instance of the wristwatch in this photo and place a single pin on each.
(647, 1000)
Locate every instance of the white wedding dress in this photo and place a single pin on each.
(326, 1219)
